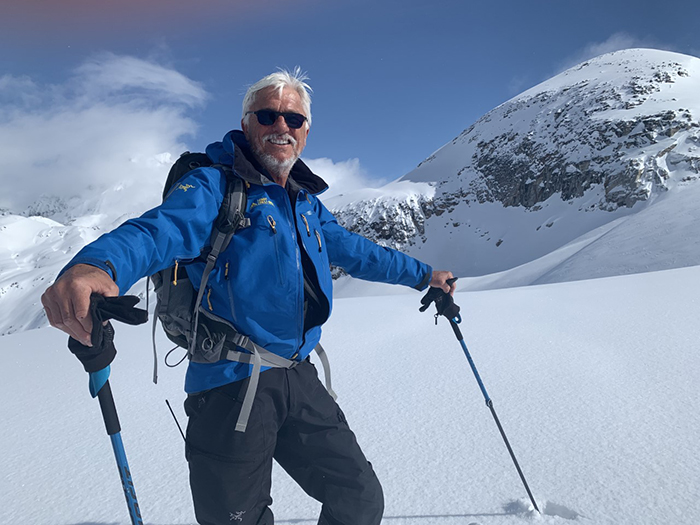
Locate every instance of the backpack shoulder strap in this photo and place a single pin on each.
(232, 211)
(231, 217)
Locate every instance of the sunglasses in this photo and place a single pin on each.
(267, 117)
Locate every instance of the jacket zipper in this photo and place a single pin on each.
(273, 226)
(291, 210)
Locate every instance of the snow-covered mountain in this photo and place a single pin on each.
(592, 173)
(608, 139)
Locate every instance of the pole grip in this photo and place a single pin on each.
(109, 410)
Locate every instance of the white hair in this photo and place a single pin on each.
(295, 79)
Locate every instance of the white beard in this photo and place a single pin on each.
(276, 166)
(273, 165)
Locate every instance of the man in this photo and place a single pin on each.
(274, 285)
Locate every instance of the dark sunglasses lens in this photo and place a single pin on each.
(266, 117)
(294, 120)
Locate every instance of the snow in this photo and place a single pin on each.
(595, 383)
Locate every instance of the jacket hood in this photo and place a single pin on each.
(234, 151)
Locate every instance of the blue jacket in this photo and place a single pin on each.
(257, 283)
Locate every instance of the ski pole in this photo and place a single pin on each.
(489, 403)
(99, 387)
(96, 360)
(445, 306)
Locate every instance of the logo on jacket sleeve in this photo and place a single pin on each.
(184, 187)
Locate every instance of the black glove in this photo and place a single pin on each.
(444, 303)
(102, 351)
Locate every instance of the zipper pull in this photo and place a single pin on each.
(226, 271)
(211, 308)
(318, 238)
(175, 274)
(308, 232)
(272, 222)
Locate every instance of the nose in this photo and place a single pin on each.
(280, 125)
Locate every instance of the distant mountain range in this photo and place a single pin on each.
(591, 173)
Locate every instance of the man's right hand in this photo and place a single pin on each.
(67, 301)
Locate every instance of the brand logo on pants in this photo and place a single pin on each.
(236, 516)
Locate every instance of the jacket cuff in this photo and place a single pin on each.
(107, 266)
(424, 282)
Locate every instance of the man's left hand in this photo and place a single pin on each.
(439, 280)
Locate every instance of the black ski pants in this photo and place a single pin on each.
(294, 421)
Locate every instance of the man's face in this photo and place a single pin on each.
(277, 146)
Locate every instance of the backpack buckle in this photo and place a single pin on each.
(241, 340)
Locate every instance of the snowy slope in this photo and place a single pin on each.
(595, 383)
(33, 251)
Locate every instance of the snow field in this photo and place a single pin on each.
(594, 383)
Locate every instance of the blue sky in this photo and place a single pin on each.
(393, 80)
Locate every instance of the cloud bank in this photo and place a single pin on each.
(102, 141)
(342, 177)
(114, 125)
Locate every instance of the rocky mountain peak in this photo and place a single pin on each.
(602, 136)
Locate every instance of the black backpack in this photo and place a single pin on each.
(176, 300)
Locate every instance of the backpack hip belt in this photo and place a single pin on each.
(218, 340)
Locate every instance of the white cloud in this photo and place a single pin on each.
(107, 75)
(342, 177)
(116, 122)
(616, 42)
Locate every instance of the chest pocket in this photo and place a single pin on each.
(260, 254)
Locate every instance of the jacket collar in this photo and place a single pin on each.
(249, 169)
